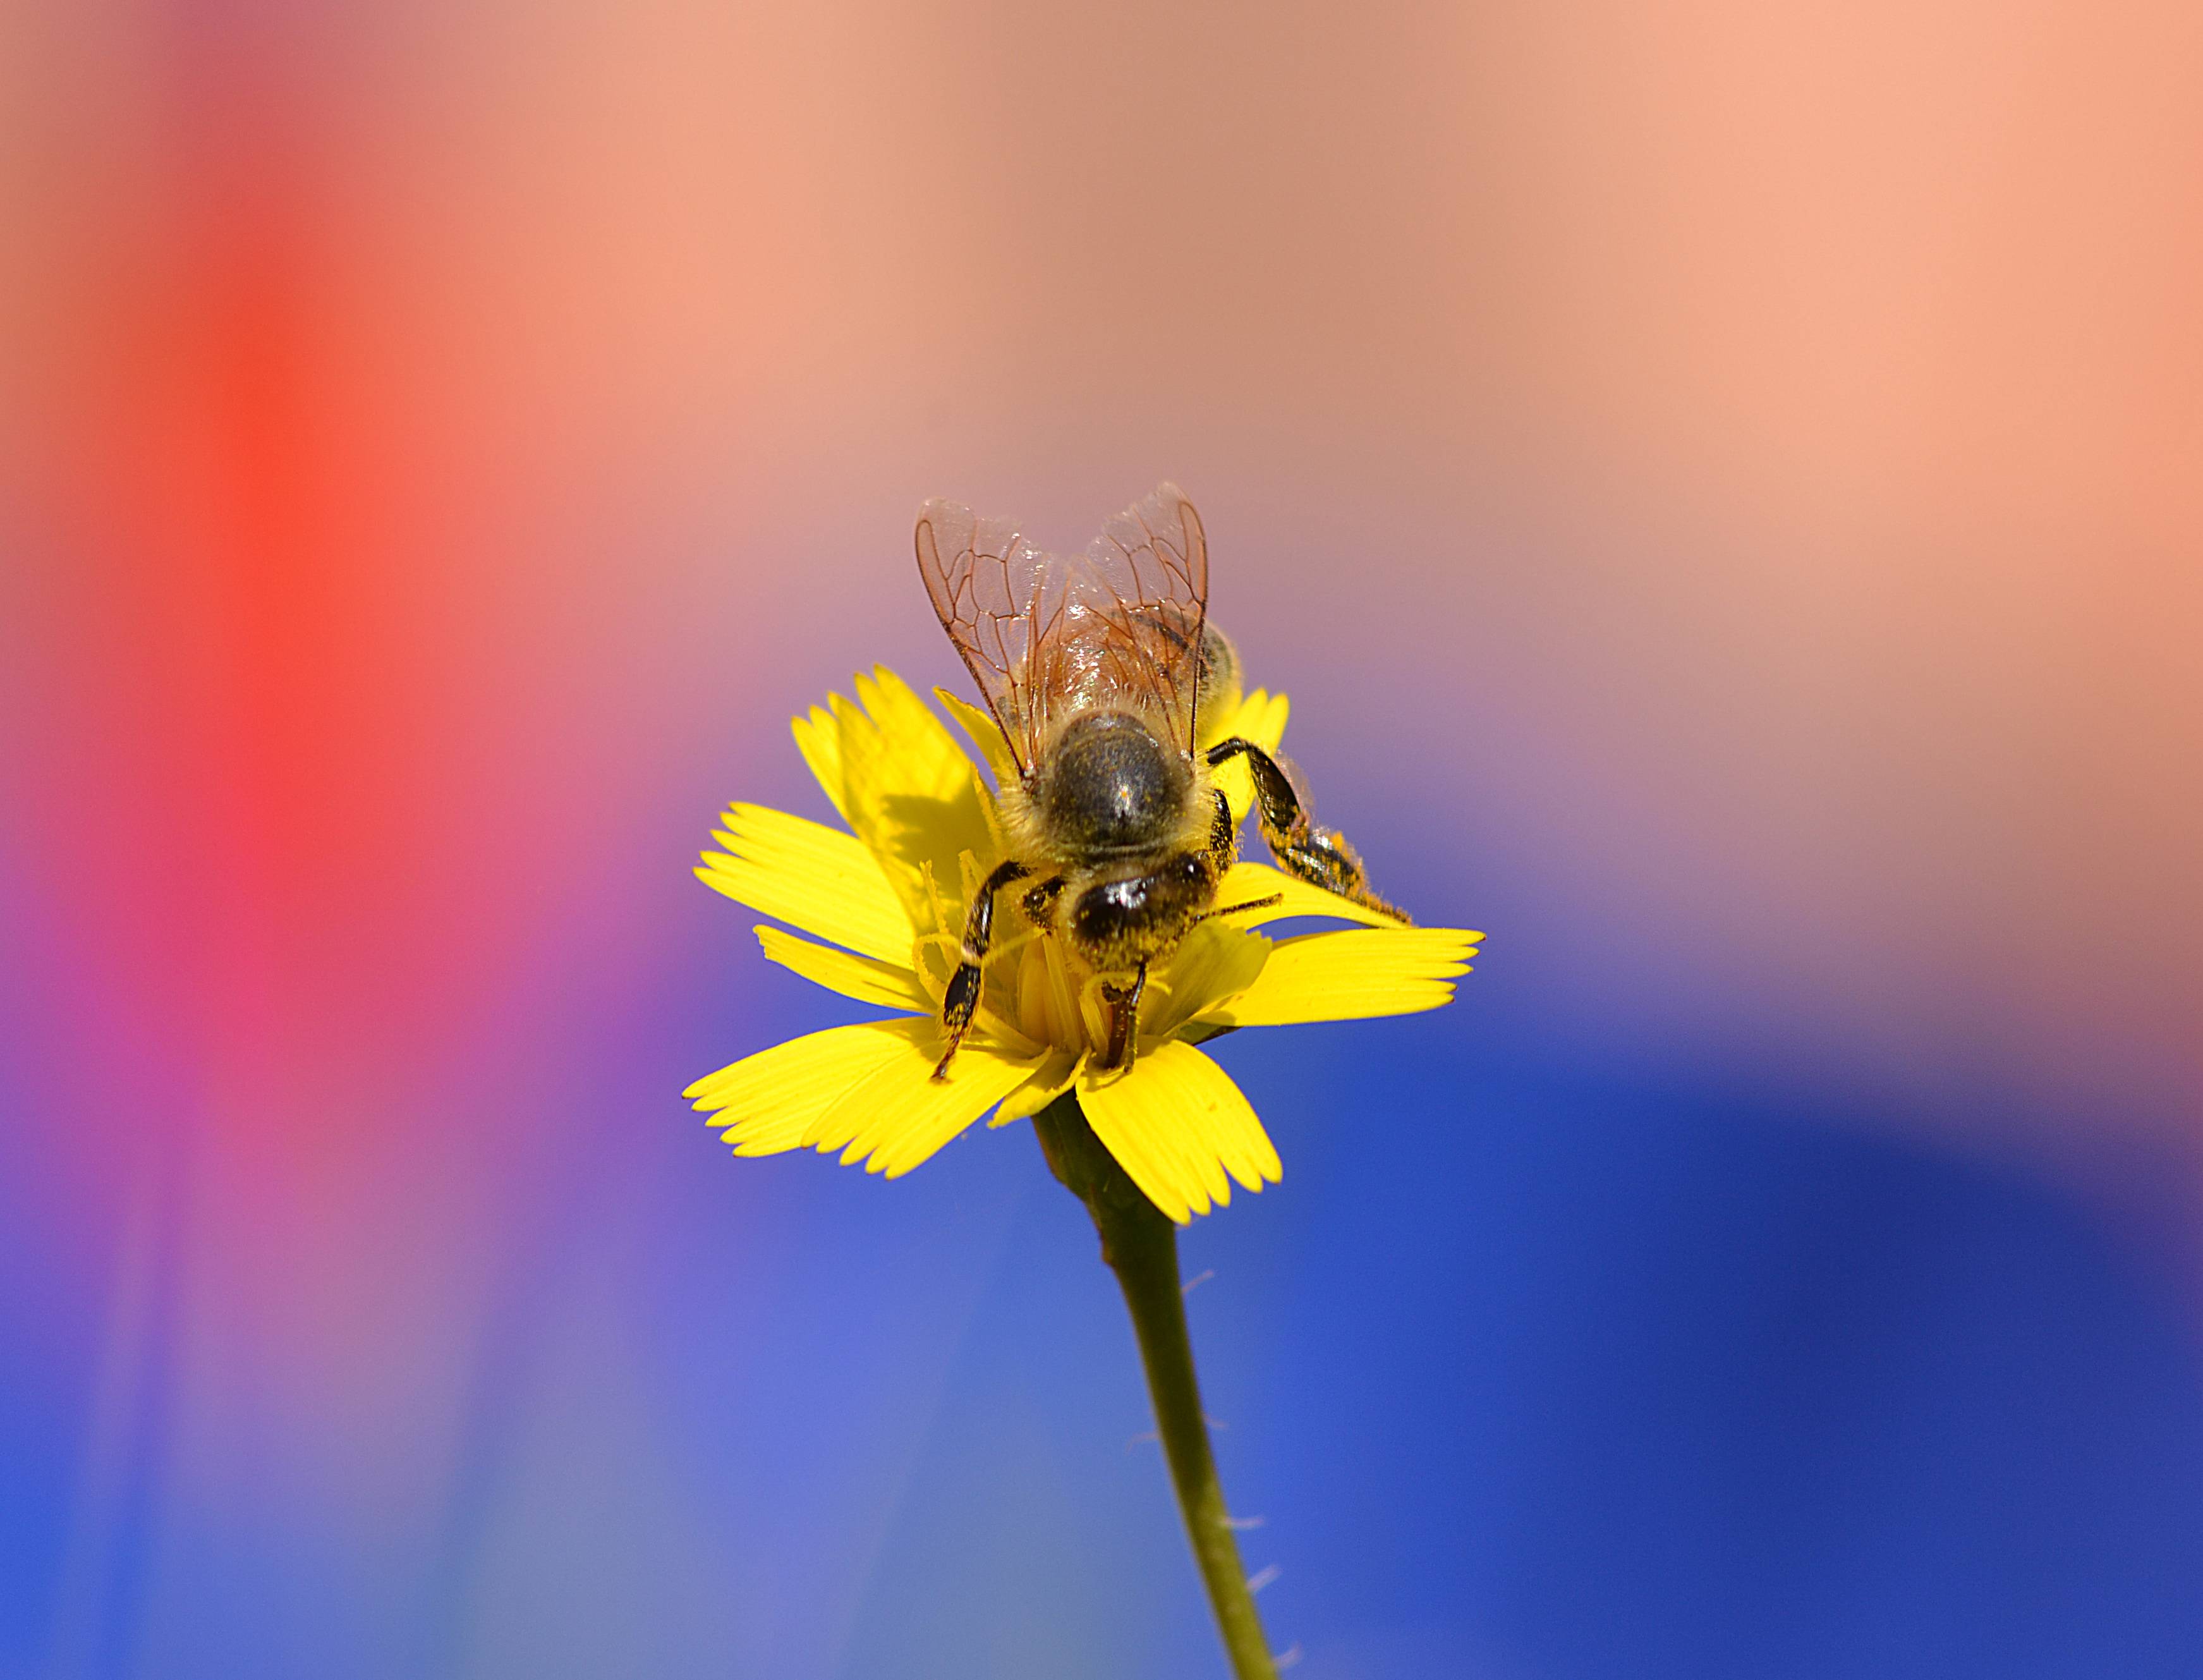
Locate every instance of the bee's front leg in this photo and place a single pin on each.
(1318, 855)
(962, 1001)
(1124, 1003)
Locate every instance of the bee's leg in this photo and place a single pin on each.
(1269, 901)
(1223, 833)
(962, 1001)
(1318, 855)
(1124, 1003)
(1039, 902)
(1224, 851)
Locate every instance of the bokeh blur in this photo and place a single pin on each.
(1720, 484)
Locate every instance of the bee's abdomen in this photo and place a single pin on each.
(1110, 785)
(1116, 921)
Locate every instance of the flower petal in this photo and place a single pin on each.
(865, 979)
(1244, 883)
(986, 734)
(1351, 974)
(1177, 1123)
(1261, 719)
(899, 1115)
(767, 1101)
(819, 738)
(1047, 1082)
(912, 794)
(809, 875)
(1214, 963)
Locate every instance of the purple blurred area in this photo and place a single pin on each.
(1719, 486)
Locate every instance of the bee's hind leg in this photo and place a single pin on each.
(1123, 1002)
(1224, 851)
(1223, 833)
(962, 1001)
(1319, 855)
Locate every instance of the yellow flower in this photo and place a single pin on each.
(889, 900)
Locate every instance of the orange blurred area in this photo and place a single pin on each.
(1790, 418)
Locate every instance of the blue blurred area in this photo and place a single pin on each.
(1541, 1362)
(1549, 1381)
(1548, 1358)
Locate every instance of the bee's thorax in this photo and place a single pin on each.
(1111, 786)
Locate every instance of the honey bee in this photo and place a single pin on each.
(1099, 669)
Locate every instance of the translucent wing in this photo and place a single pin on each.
(1002, 600)
(1144, 590)
(1046, 637)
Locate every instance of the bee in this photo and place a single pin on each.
(1098, 670)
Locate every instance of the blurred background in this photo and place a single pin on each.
(1720, 485)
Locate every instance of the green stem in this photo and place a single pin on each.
(1140, 1244)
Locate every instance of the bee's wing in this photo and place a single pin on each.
(1045, 636)
(1142, 594)
(1003, 601)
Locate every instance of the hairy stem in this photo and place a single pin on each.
(1140, 1244)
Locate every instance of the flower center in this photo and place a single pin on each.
(1052, 997)
(1033, 987)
